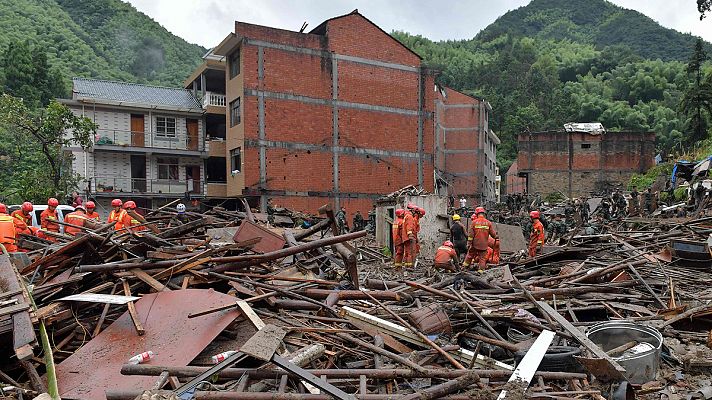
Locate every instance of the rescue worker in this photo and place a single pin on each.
(408, 235)
(357, 221)
(341, 223)
(569, 213)
(128, 220)
(634, 202)
(76, 218)
(458, 236)
(8, 230)
(647, 202)
(537, 235)
(493, 252)
(180, 218)
(396, 227)
(91, 214)
(478, 239)
(49, 218)
(117, 214)
(23, 215)
(420, 213)
(446, 257)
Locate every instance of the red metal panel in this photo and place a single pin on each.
(270, 240)
(174, 339)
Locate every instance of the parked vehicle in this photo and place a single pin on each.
(62, 211)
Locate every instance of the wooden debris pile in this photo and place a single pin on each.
(227, 306)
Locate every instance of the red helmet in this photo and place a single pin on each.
(479, 210)
(52, 202)
(90, 205)
(116, 203)
(534, 214)
(400, 212)
(448, 244)
(3, 208)
(129, 205)
(27, 207)
(421, 211)
(412, 207)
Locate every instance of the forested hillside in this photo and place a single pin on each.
(106, 39)
(558, 61)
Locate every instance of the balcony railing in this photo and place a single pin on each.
(214, 99)
(143, 185)
(116, 137)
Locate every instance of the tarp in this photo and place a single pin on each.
(702, 166)
(683, 169)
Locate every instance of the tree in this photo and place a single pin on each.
(43, 136)
(27, 75)
(703, 6)
(698, 97)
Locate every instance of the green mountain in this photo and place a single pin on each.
(594, 22)
(106, 39)
(557, 61)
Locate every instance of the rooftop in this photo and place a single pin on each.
(124, 93)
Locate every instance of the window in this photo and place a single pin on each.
(235, 160)
(168, 168)
(585, 145)
(235, 112)
(234, 61)
(166, 127)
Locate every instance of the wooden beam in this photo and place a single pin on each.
(132, 309)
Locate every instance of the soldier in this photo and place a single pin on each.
(569, 212)
(558, 228)
(647, 202)
(341, 223)
(605, 209)
(357, 221)
(621, 205)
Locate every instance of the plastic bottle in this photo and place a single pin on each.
(141, 358)
(218, 358)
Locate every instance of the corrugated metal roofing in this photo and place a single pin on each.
(134, 93)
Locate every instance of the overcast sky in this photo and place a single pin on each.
(207, 22)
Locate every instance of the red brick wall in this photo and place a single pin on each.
(514, 184)
(451, 163)
(290, 170)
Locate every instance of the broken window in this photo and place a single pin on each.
(168, 168)
(235, 112)
(235, 160)
(166, 127)
(234, 64)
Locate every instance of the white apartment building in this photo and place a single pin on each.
(149, 147)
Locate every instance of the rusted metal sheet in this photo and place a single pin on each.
(270, 241)
(511, 238)
(174, 338)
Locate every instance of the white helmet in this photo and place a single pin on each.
(180, 208)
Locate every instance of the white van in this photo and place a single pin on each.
(62, 211)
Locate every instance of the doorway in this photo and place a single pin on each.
(138, 136)
(138, 173)
(192, 177)
(191, 125)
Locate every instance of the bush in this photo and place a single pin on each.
(642, 181)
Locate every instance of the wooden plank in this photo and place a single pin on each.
(105, 311)
(530, 363)
(614, 367)
(132, 310)
(14, 309)
(148, 279)
(23, 331)
(248, 312)
(100, 298)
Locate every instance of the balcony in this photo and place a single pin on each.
(144, 141)
(212, 99)
(141, 186)
(216, 148)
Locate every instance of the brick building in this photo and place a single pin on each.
(513, 182)
(342, 115)
(465, 147)
(579, 163)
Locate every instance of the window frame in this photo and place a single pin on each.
(235, 117)
(234, 60)
(168, 163)
(163, 131)
(237, 151)
(585, 145)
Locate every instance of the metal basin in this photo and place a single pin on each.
(640, 367)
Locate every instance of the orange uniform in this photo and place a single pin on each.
(417, 231)
(117, 217)
(130, 222)
(8, 232)
(446, 258)
(536, 238)
(493, 251)
(48, 222)
(478, 237)
(75, 218)
(22, 222)
(92, 215)
(409, 240)
(397, 241)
